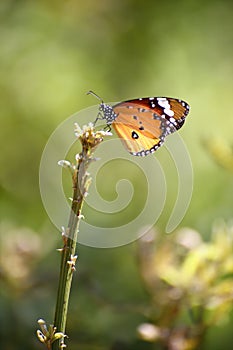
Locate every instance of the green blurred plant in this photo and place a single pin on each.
(186, 276)
(21, 250)
(221, 152)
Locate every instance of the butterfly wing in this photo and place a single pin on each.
(141, 132)
(136, 142)
(142, 124)
(174, 110)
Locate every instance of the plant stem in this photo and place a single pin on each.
(81, 182)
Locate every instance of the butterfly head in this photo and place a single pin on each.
(106, 110)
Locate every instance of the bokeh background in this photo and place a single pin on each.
(51, 54)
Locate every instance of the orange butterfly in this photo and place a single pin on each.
(143, 123)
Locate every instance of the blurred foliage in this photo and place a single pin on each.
(184, 275)
(221, 152)
(51, 53)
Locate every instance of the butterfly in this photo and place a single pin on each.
(142, 124)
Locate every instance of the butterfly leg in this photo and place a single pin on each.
(99, 117)
(108, 128)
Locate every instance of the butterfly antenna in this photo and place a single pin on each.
(94, 94)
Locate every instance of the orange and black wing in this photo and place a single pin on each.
(174, 110)
(142, 124)
(141, 132)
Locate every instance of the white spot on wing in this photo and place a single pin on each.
(163, 102)
(172, 120)
(169, 112)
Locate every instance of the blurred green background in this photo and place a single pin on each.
(51, 53)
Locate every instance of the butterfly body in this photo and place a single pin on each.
(142, 124)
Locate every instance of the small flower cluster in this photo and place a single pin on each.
(48, 335)
(88, 136)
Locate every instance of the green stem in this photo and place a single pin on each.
(80, 186)
(89, 140)
(53, 336)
